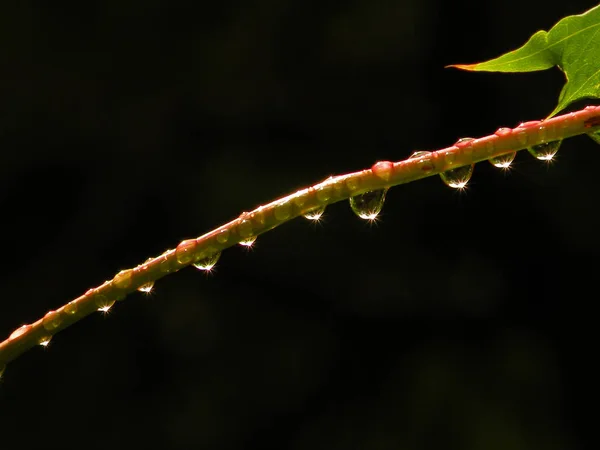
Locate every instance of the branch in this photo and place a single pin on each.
(542, 138)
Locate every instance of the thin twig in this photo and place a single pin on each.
(247, 226)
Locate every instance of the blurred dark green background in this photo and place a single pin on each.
(461, 320)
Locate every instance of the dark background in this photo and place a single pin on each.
(460, 320)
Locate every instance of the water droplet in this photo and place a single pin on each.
(223, 236)
(465, 146)
(2, 369)
(503, 131)
(368, 205)
(146, 287)
(70, 308)
(122, 280)
(245, 228)
(464, 142)
(52, 320)
(103, 303)
(207, 263)
(383, 169)
(300, 198)
(425, 164)
(185, 251)
(19, 331)
(503, 161)
(248, 242)
(546, 151)
(324, 193)
(315, 213)
(283, 211)
(44, 340)
(418, 154)
(459, 177)
(595, 136)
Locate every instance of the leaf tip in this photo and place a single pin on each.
(470, 67)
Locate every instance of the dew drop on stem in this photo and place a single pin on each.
(459, 177)
(223, 236)
(122, 280)
(503, 161)
(146, 287)
(259, 216)
(245, 231)
(465, 145)
(315, 213)
(207, 263)
(19, 331)
(103, 303)
(300, 199)
(383, 169)
(425, 164)
(51, 321)
(245, 228)
(464, 142)
(185, 251)
(283, 211)
(545, 151)
(324, 193)
(248, 242)
(368, 205)
(70, 308)
(418, 154)
(45, 340)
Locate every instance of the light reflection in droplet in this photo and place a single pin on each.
(368, 205)
(315, 214)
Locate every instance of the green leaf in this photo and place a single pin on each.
(573, 44)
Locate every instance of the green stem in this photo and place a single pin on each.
(381, 175)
